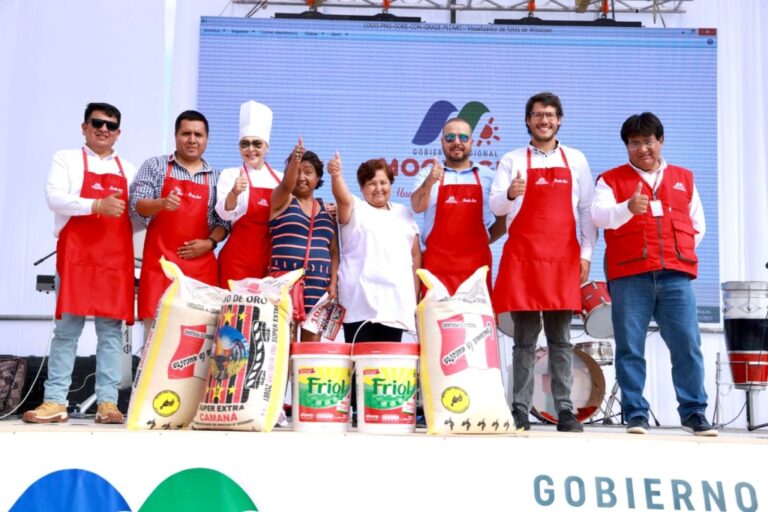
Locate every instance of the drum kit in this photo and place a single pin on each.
(588, 388)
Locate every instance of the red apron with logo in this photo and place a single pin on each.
(94, 255)
(539, 268)
(166, 233)
(458, 242)
(248, 249)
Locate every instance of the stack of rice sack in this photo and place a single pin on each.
(249, 362)
(174, 364)
(461, 380)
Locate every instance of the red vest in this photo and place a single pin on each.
(647, 243)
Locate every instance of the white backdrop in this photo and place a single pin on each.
(141, 55)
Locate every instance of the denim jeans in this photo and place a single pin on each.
(61, 361)
(557, 329)
(667, 296)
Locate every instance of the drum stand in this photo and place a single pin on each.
(608, 415)
(750, 426)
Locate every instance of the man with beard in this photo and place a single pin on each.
(545, 190)
(458, 221)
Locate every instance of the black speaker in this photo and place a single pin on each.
(83, 384)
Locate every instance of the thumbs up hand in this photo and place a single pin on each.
(112, 206)
(172, 201)
(517, 187)
(638, 203)
(436, 173)
(334, 166)
(241, 183)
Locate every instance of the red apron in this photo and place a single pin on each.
(458, 242)
(94, 255)
(166, 233)
(247, 251)
(539, 268)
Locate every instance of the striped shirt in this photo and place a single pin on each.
(151, 176)
(290, 231)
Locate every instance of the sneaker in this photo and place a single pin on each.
(698, 425)
(638, 425)
(108, 412)
(567, 422)
(48, 412)
(521, 421)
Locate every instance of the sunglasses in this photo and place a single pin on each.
(256, 144)
(450, 137)
(98, 123)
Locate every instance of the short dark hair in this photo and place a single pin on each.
(645, 124)
(368, 169)
(108, 109)
(545, 98)
(312, 158)
(190, 115)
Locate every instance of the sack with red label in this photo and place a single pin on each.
(249, 361)
(174, 362)
(461, 380)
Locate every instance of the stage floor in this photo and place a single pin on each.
(282, 471)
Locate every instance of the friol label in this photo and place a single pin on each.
(389, 395)
(324, 394)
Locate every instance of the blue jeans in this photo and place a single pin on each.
(61, 362)
(557, 329)
(667, 296)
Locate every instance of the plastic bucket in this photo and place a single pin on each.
(386, 386)
(321, 386)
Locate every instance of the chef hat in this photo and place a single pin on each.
(255, 120)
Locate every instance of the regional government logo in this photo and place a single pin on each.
(442, 110)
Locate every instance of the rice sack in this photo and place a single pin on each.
(461, 380)
(249, 364)
(174, 362)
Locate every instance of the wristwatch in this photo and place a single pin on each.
(214, 243)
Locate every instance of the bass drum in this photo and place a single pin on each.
(587, 391)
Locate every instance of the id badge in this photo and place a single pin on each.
(656, 208)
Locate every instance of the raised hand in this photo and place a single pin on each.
(241, 183)
(436, 172)
(638, 203)
(334, 166)
(517, 187)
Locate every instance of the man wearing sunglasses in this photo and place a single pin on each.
(87, 190)
(175, 195)
(457, 218)
(545, 190)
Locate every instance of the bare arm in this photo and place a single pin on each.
(498, 228)
(420, 198)
(281, 194)
(416, 256)
(344, 199)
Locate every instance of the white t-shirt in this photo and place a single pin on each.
(376, 267)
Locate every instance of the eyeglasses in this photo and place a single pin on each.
(635, 145)
(450, 137)
(549, 116)
(256, 144)
(98, 123)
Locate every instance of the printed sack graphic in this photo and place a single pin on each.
(460, 374)
(249, 362)
(174, 361)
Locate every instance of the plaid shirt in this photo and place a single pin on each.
(151, 176)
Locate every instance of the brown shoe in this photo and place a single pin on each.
(48, 412)
(108, 412)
